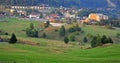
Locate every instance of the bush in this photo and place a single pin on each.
(104, 39)
(44, 35)
(110, 40)
(93, 42)
(85, 39)
(13, 39)
(66, 40)
(31, 32)
(74, 29)
(98, 41)
(72, 37)
(118, 35)
(46, 24)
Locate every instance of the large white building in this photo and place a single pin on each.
(97, 16)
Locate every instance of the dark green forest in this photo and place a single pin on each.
(65, 3)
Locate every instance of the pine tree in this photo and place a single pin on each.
(13, 39)
(62, 31)
(85, 39)
(31, 26)
(104, 39)
(44, 35)
(93, 42)
(110, 40)
(66, 40)
(72, 37)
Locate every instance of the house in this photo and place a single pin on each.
(53, 17)
(34, 15)
(97, 17)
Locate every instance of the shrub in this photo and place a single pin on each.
(118, 35)
(98, 41)
(13, 39)
(110, 40)
(72, 37)
(46, 24)
(104, 39)
(93, 42)
(85, 39)
(44, 35)
(66, 40)
(31, 32)
(74, 28)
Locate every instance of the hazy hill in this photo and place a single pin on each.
(66, 3)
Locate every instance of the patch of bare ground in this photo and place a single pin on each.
(13, 49)
(28, 42)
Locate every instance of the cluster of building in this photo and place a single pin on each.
(55, 14)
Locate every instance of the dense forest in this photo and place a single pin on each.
(66, 3)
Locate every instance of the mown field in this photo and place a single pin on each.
(55, 51)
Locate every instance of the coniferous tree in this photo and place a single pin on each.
(13, 39)
(72, 37)
(85, 39)
(44, 35)
(104, 39)
(66, 40)
(62, 31)
(93, 42)
(110, 40)
(31, 26)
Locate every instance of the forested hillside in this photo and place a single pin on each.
(66, 3)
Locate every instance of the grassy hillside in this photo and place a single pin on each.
(38, 54)
(54, 51)
(14, 25)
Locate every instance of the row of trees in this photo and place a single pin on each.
(98, 40)
(31, 31)
(69, 34)
(63, 31)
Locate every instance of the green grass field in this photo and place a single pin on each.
(55, 51)
(44, 54)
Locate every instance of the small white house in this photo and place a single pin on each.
(33, 16)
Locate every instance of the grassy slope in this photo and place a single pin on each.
(35, 54)
(53, 51)
(17, 26)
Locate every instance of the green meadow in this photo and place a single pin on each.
(55, 51)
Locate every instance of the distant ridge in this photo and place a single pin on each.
(65, 3)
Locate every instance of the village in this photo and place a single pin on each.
(59, 31)
(54, 15)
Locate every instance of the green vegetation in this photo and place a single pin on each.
(39, 50)
(66, 40)
(62, 31)
(13, 39)
(45, 54)
(31, 32)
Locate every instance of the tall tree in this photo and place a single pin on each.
(85, 39)
(62, 31)
(31, 26)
